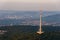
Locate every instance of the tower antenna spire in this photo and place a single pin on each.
(40, 29)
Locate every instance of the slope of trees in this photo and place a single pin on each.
(14, 33)
(32, 36)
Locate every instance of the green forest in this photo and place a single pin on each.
(16, 33)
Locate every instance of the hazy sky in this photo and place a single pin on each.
(50, 5)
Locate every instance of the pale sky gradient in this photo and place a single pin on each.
(49, 5)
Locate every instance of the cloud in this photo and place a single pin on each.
(50, 5)
(19, 6)
(31, 1)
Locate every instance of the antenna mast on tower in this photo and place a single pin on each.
(40, 29)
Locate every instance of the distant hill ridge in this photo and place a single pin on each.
(52, 18)
(17, 17)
